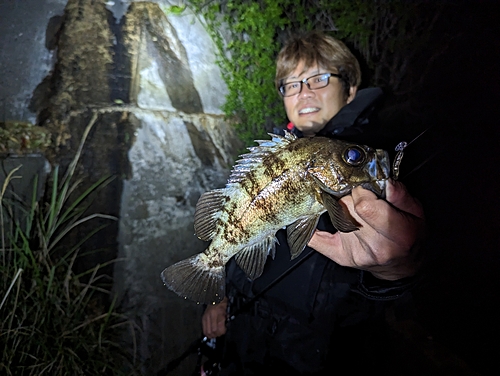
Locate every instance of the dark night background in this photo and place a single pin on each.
(458, 301)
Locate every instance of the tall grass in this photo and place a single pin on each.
(53, 321)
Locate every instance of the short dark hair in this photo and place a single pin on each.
(317, 48)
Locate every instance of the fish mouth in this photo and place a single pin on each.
(385, 165)
(379, 168)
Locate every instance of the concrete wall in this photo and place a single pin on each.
(150, 78)
(24, 58)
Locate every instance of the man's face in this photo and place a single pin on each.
(310, 110)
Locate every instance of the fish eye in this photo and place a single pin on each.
(354, 155)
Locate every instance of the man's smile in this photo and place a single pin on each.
(308, 110)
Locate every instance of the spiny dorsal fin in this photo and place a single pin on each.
(208, 209)
(250, 161)
(299, 233)
(341, 221)
(252, 259)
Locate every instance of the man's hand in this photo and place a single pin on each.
(214, 319)
(385, 243)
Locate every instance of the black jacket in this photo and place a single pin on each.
(304, 315)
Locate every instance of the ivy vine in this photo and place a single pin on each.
(385, 34)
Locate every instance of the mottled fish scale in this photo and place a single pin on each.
(282, 182)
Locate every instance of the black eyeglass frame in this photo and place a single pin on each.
(305, 81)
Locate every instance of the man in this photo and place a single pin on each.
(306, 315)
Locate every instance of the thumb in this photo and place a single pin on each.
(398, 196)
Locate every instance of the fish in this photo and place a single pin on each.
(285, 182)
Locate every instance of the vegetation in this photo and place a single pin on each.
(22, 137)
(53, 321)
(387, 35)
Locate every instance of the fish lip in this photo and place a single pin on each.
(385, 162)
(382, 184)
(378, 168)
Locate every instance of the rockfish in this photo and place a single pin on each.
(284, 182)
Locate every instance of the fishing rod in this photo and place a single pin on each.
(196, 345)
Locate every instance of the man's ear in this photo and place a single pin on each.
(352, 93)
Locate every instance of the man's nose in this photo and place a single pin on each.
(306, 92)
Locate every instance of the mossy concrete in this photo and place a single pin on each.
(160, 132)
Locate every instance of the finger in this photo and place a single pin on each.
(367, 203)
(208, 329)
(221, 328)
(383, 222)
(336, 247)
(325, 243)
(353, 249)
(210, 322)
(365, 206)
(347, 202)
(397, 195)
(382, 215)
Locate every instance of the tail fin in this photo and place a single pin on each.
(193, 279)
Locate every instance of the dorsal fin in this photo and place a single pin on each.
(250, 161)
(208, 209)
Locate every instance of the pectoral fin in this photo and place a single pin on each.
(299, 233)
(340, 219)
(207, 212)
(253, 257)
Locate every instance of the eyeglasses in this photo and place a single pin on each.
(317, 81)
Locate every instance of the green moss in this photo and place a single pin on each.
(23, 138)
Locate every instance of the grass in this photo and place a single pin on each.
(53, 321)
